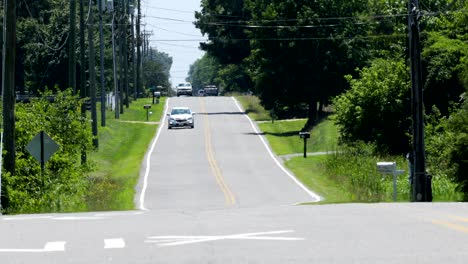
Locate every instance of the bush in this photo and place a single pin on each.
(377, 107)
(447, 147)
(62, 184)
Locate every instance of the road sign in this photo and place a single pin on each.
(42, 147)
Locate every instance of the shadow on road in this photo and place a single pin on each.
(222, 113)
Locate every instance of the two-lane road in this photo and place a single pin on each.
(215, 194)
(221, 163)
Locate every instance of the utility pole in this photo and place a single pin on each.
(102, 79)
(125, 7)
(72, 47)
(122, 72)
(421, 182)
(116, 80)
(8, 91)
(138, 40)
(134, 66)
(82, 70)
(92, 76)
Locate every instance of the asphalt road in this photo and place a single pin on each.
(214, 194)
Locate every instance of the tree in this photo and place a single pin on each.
(224, 22)
(302, 49)
(376, 109)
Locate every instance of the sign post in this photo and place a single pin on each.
(390, 168)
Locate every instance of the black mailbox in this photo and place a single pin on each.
(304, 135)
(147, 106)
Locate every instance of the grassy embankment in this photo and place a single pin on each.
(349, 175)
(122, 146)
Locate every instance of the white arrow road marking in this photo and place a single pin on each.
(57, 246)
(114, 243)
(164, 241)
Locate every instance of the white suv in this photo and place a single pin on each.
(184, 89)
(181, 117)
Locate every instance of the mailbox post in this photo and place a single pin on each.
(156, 95)
(147, 107)
(390, 168)
(305, 136)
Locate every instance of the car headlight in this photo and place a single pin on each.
(190, 119)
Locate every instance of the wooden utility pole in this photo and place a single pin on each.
(122, 73)
(92, 76)
(421, 182)
(8, 90)
(72, 48)
(138, 41)
(116, 80)
(134, 65)
(82, 70)
(125, 8)
(102, 75)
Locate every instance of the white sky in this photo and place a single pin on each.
(171, 22)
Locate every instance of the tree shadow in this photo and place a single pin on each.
(222, 113)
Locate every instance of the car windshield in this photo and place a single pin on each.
(180, 111)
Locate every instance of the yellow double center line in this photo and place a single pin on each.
(230, 199)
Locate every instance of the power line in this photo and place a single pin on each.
(283, 39)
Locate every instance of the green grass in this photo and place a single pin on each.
(310, 172)
(350, 175)
(122, 146)
(252, 107)
(283, 136)
(136, 112)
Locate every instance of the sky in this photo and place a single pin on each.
(173, 32)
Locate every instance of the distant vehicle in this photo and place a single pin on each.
(181, 117)
(211, 90)
(201, 92)
(184, 89)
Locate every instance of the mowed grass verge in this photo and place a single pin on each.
(122, 146)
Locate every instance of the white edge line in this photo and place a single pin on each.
(148, 158)
(315, 196)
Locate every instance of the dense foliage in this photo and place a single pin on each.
(62, 184)
(376, 109)
(43, 29)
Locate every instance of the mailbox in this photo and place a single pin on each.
(147, 106)
(304, 135)
(157, 94)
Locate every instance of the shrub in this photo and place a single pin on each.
(376, 109)
(61, 185)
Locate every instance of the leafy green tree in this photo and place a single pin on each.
(204, 71)
(376, 109)
(302, 49)
(444, 56)
(225, 22)
(156, 69)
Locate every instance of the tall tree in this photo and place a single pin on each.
(224, 22)
(302, 49)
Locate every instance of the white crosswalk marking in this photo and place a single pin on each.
(114, 243)
(55, 246)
